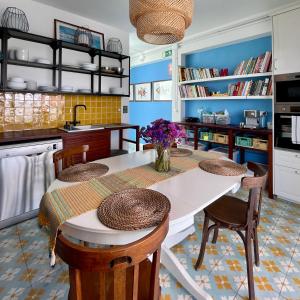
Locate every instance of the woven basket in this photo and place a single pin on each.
(161, 22)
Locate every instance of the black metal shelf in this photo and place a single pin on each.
(30, 64)
(58, 68)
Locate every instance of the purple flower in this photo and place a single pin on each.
(162, 133)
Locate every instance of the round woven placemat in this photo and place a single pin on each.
(177, 152)
(133, 209)
(82, 172)
(222, 167)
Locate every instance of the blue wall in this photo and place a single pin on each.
(229, 57)
(142, 113)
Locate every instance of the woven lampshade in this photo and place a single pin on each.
(161, 22)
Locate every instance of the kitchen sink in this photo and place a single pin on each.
(83, 128)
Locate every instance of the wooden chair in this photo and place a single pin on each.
(69, 157)
(120, 272)
(238, 215)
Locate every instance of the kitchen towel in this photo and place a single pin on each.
(296, 129)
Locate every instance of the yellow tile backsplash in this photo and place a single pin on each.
(39, 111)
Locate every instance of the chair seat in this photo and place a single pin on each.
(228, 210)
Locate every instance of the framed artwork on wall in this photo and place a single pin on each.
(143, 92)
(162, 90)
(131, 93)
(66, 32)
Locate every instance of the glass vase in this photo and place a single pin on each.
(162, 162)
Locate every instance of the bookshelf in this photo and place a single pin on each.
(209, 98)
(224, 78)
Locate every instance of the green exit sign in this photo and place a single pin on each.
(167, 53)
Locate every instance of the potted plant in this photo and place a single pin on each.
(162, 134)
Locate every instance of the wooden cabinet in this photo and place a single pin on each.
(287, 175)
(286, 34)
(99, 142)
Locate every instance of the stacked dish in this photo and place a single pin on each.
(67, 89)
(47, 88)
(16, 83)
(89, 66)
(43, 61)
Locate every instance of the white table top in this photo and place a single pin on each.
(188, 193)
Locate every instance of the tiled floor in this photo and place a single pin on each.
(25, 271)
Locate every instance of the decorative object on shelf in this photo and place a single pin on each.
(15, 18)
(66, 32)
(131, 92)
(114, 45)
(162, 134)
(83, 37)
(143, 92)
(161, 22)
(162, 90)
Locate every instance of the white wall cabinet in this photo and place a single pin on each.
(287, 175)
(286, 34)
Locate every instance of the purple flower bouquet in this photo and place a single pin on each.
(163, 134)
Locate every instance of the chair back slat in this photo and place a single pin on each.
(68, 157)
(255, 186)
(120, 272)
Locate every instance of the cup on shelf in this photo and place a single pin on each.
(31, 85)
(22, 54)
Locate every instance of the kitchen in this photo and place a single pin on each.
(78, 91)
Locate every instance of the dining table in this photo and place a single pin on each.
(189, 193)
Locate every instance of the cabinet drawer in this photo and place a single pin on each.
(287, 183)
(287, 158)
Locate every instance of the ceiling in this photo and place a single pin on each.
(208, 14)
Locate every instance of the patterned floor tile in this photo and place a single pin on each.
(25, 271)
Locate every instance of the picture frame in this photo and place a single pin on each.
(143, 91)
(131, 92)
(162, 90)
(65, 31)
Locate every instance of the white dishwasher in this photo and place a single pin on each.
(26, 171)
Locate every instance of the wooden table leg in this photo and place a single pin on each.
(120, 139)
(270, 166)
(137, 139)
(230, 144)
(196, 138)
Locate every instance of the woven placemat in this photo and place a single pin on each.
(133, 209)
(180, 152)
(82, 172)
(222, 167)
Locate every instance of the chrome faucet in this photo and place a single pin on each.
(75, 122)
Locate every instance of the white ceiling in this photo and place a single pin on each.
(208, 14)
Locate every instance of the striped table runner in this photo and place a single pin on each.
(64, 203)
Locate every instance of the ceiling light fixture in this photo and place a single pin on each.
(161, 22)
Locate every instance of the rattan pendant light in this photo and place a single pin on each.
(161, 22)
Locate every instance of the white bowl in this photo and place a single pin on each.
(16, 85)
(17, 79)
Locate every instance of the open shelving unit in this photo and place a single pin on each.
(57, 65)
(228, 98)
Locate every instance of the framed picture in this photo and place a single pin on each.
(131, 93)
(143, 92)
(162, 90)
(66, 31)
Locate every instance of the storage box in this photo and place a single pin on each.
(260, 144)
(244, 141)
(222, 119)
(206, 136)
(221, 138)
(208, 118)
(224, 152)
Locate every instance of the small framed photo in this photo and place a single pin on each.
(162, 90)
(143, 92)
(66, 32)
(131, 92)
